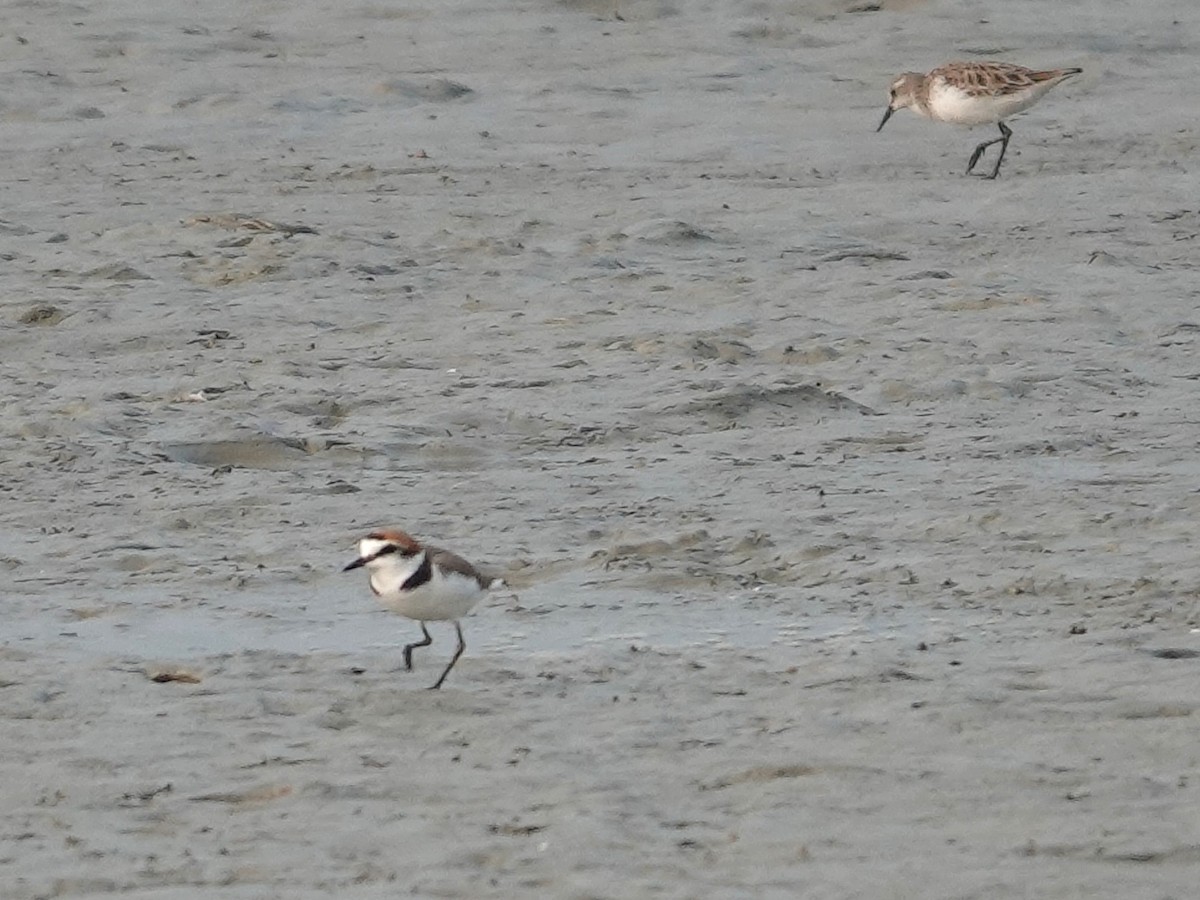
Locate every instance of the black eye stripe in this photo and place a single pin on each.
(393, 548)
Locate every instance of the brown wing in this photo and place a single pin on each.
(452, 562)
(997, 77)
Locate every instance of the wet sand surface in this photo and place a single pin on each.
(846, 502)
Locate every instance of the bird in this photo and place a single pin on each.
(974, 93)
(421, 582)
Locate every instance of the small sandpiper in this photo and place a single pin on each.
(974, 93)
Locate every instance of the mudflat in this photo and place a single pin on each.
(847, 503)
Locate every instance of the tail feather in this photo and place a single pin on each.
(1054, 74)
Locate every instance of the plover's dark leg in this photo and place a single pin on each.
(1005, 134)
(462, 645)
(408, 648)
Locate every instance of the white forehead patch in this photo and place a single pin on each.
(370, 546)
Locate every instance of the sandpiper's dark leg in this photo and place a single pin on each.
(1005, 134)
(462, 645)
(408, 649)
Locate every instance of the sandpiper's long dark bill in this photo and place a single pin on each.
(887, 114)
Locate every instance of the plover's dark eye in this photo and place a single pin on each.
(386, 549)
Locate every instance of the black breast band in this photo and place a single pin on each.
(421, 576)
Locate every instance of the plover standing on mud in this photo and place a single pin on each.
(974, 93)
(421, 582)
